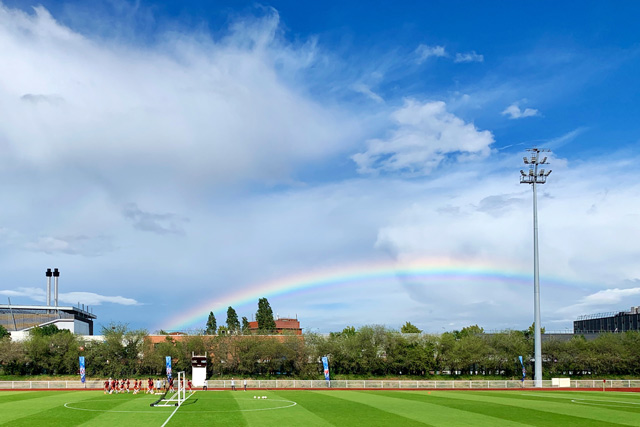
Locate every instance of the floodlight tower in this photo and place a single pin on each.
(534, 177)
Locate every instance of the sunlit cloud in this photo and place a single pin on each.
(514, 112)
(424, 52)
(468, 57)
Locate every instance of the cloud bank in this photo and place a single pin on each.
(426, 135)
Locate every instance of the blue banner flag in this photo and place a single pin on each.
(82, 370)
(524, 371)
(168, 367)
(325, 364)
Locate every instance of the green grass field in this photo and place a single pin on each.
(324, 408)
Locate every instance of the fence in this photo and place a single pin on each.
(346, 384)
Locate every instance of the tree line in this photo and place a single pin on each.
(368, 351)
(264, 317)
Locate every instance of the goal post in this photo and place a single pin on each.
(177, 398)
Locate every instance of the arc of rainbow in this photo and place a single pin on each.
(424, 270)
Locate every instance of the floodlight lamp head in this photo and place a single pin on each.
(548, 172)
(544, 160)
(526, 161)
(522, 173)
(530, 172)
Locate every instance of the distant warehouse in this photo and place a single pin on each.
(608, 322)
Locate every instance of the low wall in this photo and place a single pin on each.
(341, 384)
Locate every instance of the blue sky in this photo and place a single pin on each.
(162, 154)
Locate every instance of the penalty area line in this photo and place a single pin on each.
(176, 410)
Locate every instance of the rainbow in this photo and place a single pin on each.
(425, 271)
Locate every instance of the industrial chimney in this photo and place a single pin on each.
(48, 274)
(56, 274)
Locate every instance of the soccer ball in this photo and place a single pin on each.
(254, 397)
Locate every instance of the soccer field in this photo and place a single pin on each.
(324, 408)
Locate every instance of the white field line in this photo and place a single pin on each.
(176, 410)
(67, 405)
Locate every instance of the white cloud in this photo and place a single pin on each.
(514, 112)
(425, 135)
(609, 296)
(366, 90)
(90, 298)
(425, 52)
(200, 111)
(72, 245)
(36, 294)
(563, 140)
(87, 298)
(486, 219)
(469, 57)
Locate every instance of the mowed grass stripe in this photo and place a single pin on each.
(561, 404)
(421, 407)
(45, 410)
(217, 409)
(510, 406)
(118, 409)
(29, 404)
(615, 401)
(336, 408)
(291, 416)
(48, 409)
(211, 408)
(16, 396)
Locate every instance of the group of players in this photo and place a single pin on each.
(123, 386)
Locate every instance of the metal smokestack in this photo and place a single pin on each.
(48, 274)
(56, 274)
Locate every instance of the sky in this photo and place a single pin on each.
(354, 164)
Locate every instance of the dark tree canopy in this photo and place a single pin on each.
(245, 325)
(45, 331)
(233, 324)
(3, 332)
(409, 328)
(212, 325)
(264, 316)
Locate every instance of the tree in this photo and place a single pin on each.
(409, 328)
(532, 329)
(471, 330)
(212, 325)
(44, 331)
(13, 357)
(3, 332)
(233, 324)
(245, 325)
(264, 316)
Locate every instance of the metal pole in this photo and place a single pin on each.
(536, 294)
(56, 274)
(534, 177)
(48, 274)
